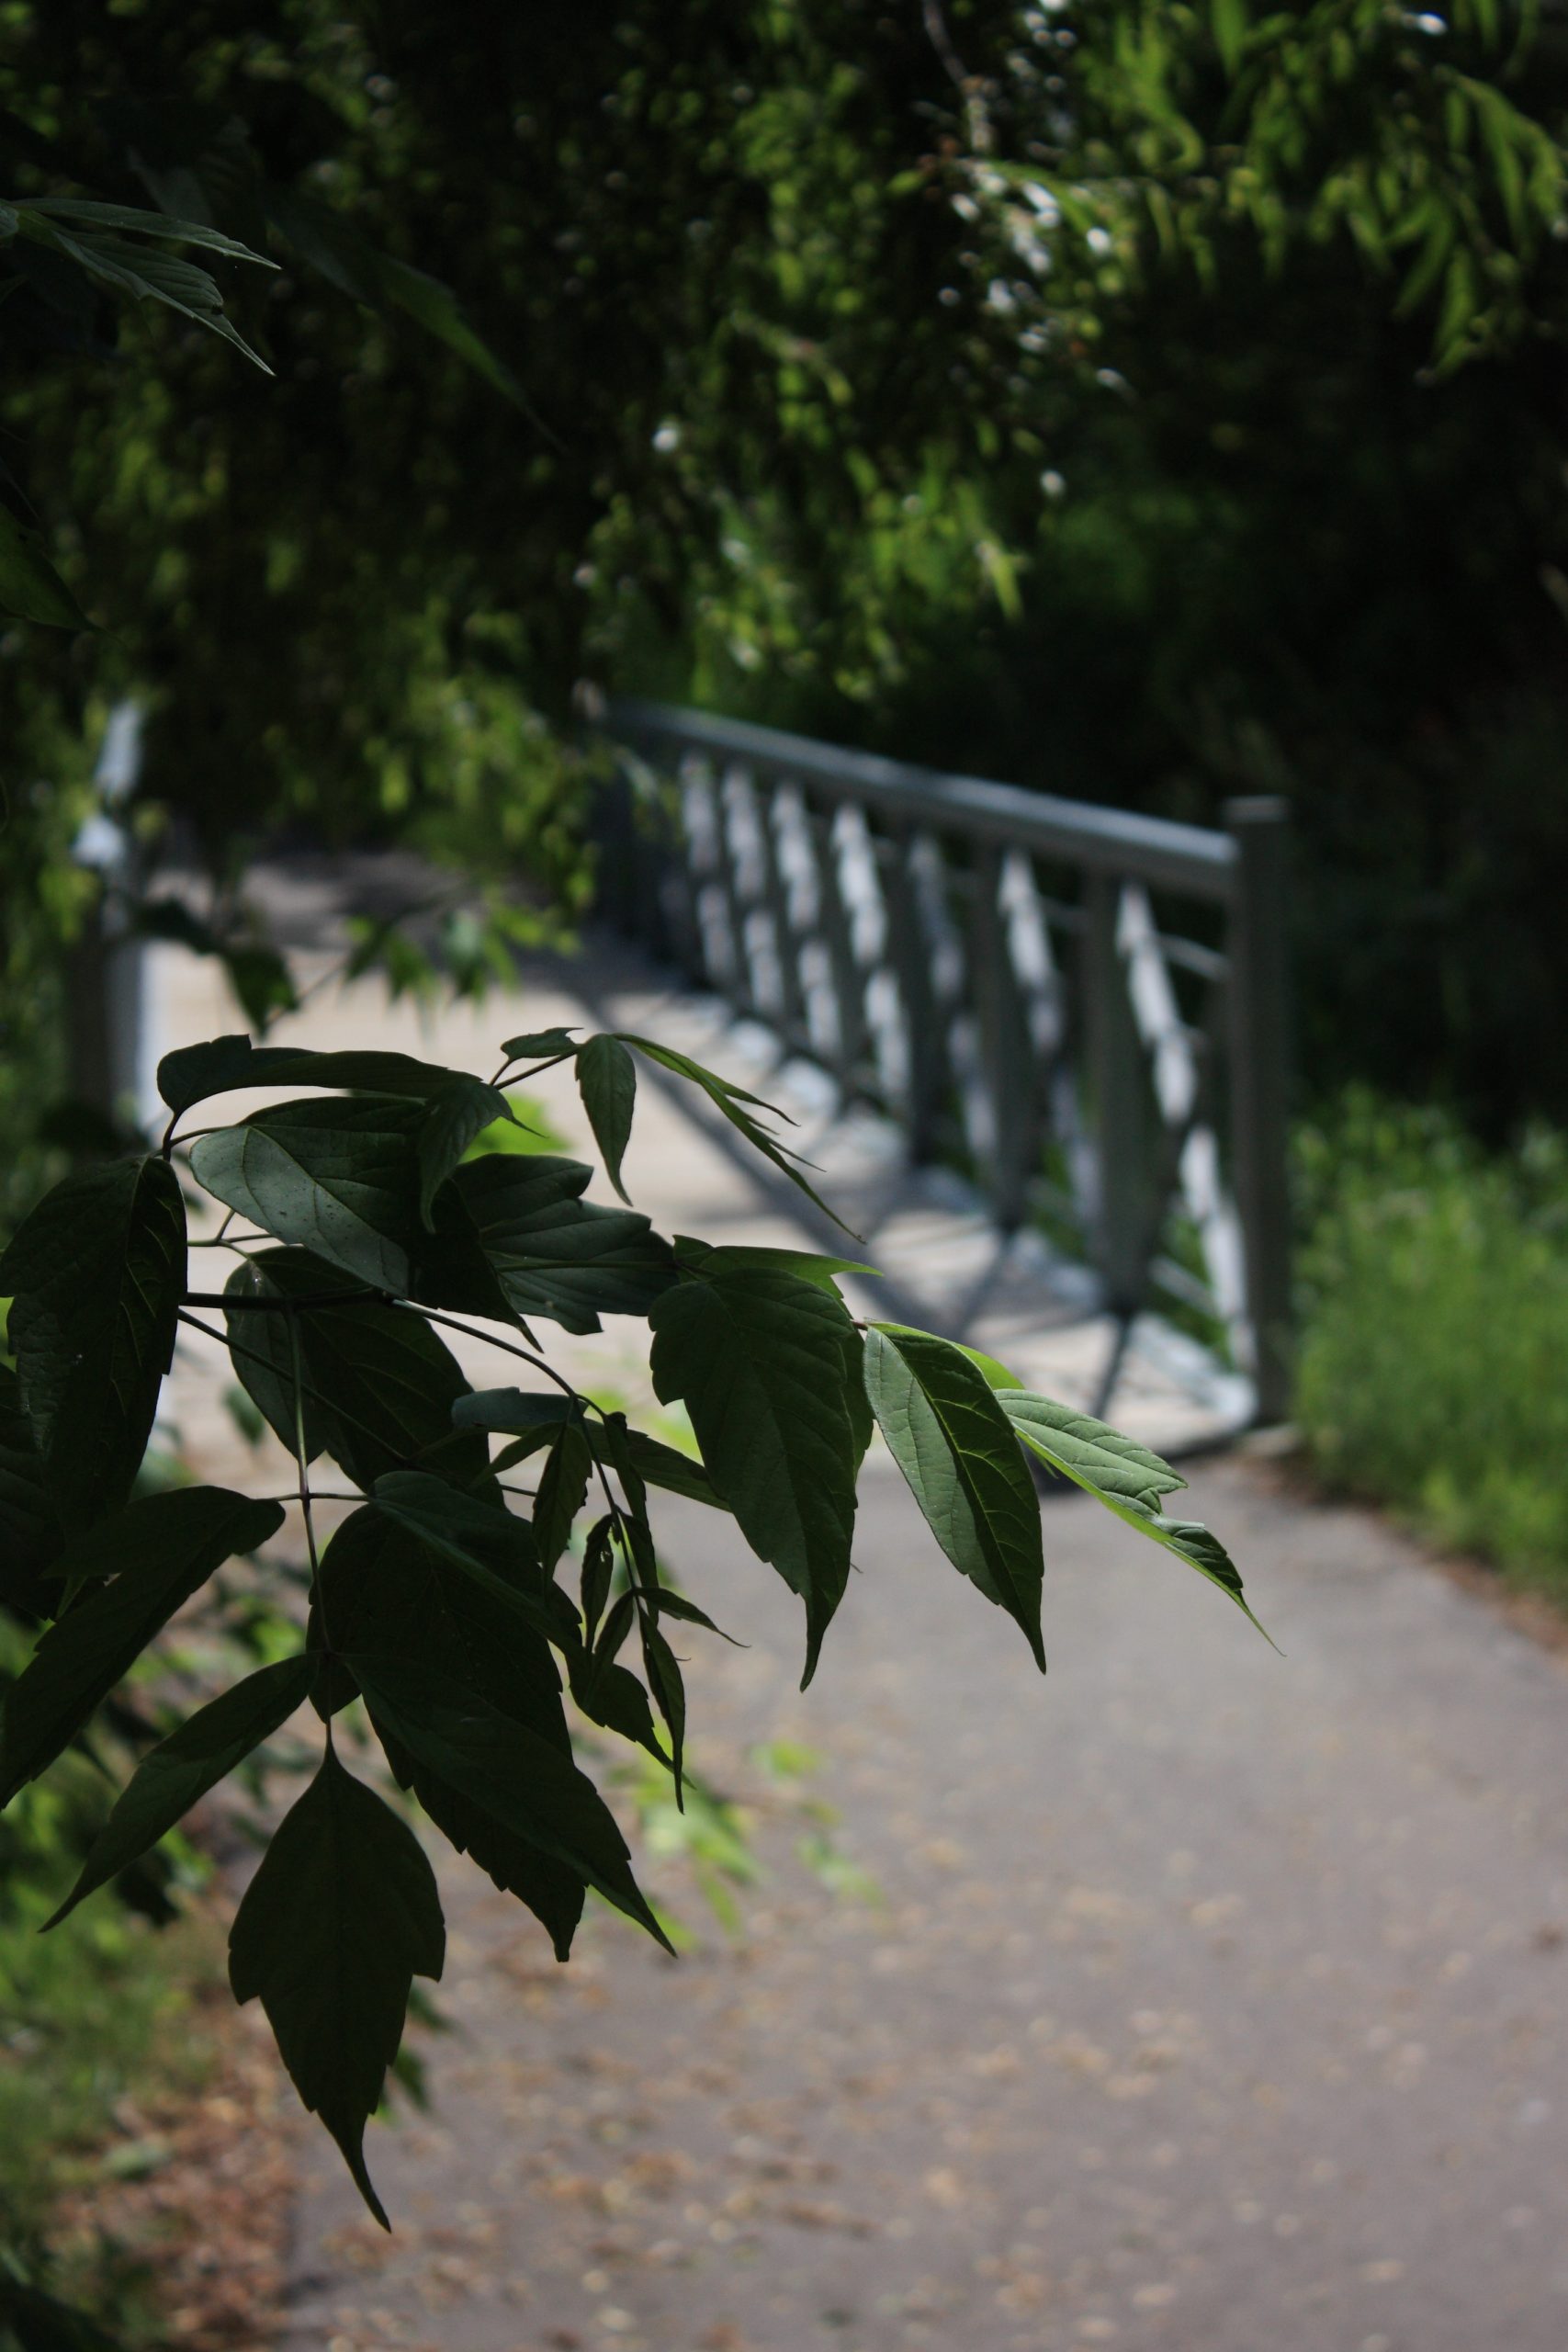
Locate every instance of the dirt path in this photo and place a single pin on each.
(1212, 2000)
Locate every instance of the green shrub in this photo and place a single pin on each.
(1435, 1341)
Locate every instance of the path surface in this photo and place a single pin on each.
(1210, 2000)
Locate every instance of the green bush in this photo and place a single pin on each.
(1435, 1331)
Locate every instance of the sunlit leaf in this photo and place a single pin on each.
(957, 1452)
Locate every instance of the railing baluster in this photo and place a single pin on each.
(849, 988)
(1261, 1083)
(1119, 1085)
(913, 951)
(1007, 1048)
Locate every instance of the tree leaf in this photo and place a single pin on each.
(386, 1588)
(223, 1065)
(661, 1465)
(555, 1254)
(488, 1544)
(30, 1534)
(160, 1551)
(958, 1454)
(1127, 1478)
(737, 1105)
(1093, 1456)
(606, 1080)
(339, 1919)
(172, 1776)
(669, 1688)
(760, 1359)
(811, 1265)
(138, 221)
(505, 1769)
(514, 1412)
(457, 1113)
(337, 1177)
(381, 1387)
(29, 585)
(540, 1044)
(97, 1273)
(562, 1492)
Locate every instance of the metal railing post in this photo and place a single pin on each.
(1118, 1083)
(1261, 1085)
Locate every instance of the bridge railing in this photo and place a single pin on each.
(1083, 1008)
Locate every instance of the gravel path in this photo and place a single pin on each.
(1208, 1999)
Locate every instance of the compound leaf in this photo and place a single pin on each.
(339, 1919)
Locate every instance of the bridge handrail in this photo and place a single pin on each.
(1053, 1043)
(1190, 858)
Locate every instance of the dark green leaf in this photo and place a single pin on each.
(606, 1080)
(339, 1919)
(30, 1535)
(381, 1387)
(488, 1544)
(811, 1265)
(1127, 1478)
(661, 1465)
(666, 1603)
(761, 1360)
(598, 1569)
(39, 2323)
(956, 1449)
(97, 1272)
(159, 1551)
(539, 1044)
(387, 1588)
(338, 1177)
(563, 1490)
(180, 1770)
(516, 1412)
(457, 1113)
(557, 1255)
(507, 1770)
(664, 1680)
(224, 1064)
(436, 309)
(29, 585)
(733, 1102)
(87, 213)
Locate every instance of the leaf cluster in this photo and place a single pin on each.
(456, 1624)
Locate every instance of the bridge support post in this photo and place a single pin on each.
(1261, 1085)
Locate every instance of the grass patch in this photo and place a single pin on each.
(1435, 1332)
